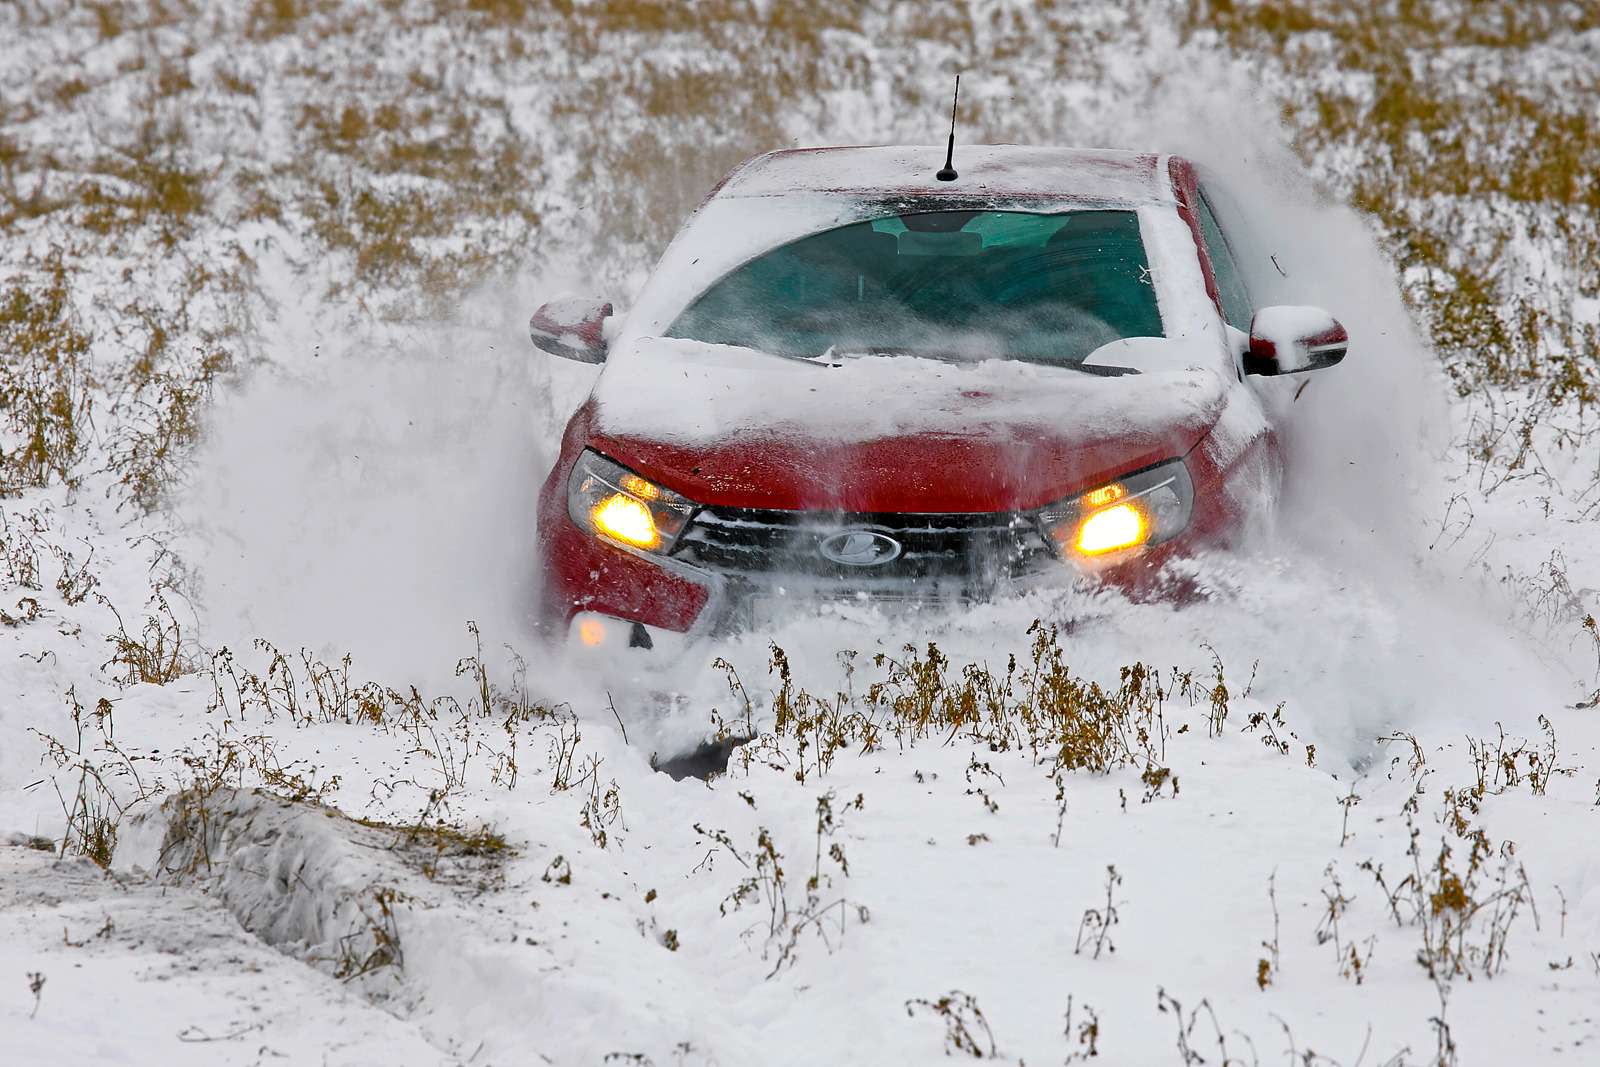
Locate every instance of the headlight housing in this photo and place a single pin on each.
(614, 504)
(1145, 508)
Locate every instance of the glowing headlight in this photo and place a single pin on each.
(613, 503)
(1119, 526)
(627, 520)
(1146, 508)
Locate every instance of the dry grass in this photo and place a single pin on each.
(108, 784)
(45, 385)
(162, 422)
(1038, 706)
(1468, 145)
(307, 690)
(408, 186)
(21, 535)
(161, 652)
(966, 1030)
(149, 182)
(784, 915)
(472, 737)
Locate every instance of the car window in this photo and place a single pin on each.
(1236, 307)
(1046, 288)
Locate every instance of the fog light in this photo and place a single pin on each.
(1119, 526)
(607, 637)
(591, 632)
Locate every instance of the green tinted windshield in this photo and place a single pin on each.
(949, 284)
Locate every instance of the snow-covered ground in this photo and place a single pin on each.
(1355, 822)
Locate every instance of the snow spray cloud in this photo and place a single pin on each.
(1350, 621)
(372, 494)
(373, 497)
(1345, 607)
(1360, 440)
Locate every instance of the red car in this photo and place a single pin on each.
(847, 379)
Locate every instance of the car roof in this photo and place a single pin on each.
(986, 172)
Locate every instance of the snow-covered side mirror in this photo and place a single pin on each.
(1287, 339)
(572, 327)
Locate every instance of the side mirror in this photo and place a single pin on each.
(571, 327)
(1287, 339)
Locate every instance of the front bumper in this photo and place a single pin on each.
(625, 598)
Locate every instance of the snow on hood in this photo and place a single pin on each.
(691, 391)
(734, 425)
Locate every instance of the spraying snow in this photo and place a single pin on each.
(373, 495)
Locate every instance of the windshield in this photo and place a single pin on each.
(947, 284)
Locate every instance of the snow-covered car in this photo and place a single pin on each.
(847, 379)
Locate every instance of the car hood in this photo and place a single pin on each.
(738, 428)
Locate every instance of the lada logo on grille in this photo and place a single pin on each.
(860, 548)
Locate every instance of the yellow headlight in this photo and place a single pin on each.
(627, 520)
(1119, 526)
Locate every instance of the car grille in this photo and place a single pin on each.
(960, 554)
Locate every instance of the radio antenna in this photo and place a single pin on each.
(948, 174)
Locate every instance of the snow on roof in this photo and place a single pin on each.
(1105, 175)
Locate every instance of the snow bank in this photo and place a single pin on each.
(301, 878)
(139, 972)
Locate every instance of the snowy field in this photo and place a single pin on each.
(285, 776)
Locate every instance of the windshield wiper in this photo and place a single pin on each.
(835, 356)
(1100, 370)
(949, 356)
